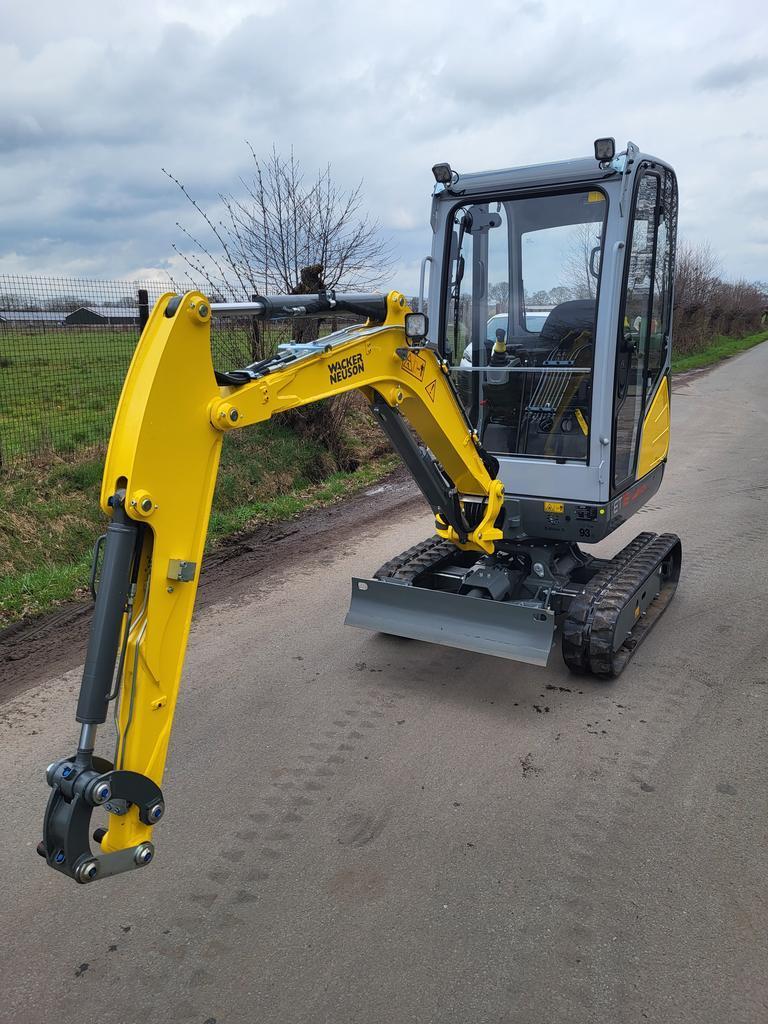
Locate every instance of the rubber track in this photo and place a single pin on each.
(577, 625)
(589, 628)
(406, 566)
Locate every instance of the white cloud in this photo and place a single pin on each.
(97, 98)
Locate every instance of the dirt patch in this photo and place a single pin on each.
(51, 644)
(686, 377)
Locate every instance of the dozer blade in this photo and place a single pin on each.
(515, 631)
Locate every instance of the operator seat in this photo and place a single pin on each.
(537, 417)
(556, 414)
(567, 321)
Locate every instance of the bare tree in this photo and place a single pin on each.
(63, 303)
(581, 283)
(559, 294)
(286, 234)
(280, 227)
(499, 293)
(123, 302)
(696, 275)
(706, 306)
(18, 302)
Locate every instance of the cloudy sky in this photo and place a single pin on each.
(97, 97)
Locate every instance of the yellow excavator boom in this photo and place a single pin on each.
(158, 485)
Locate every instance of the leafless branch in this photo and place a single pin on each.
(278, 225)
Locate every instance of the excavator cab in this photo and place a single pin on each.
(593, 248)
(573, 401)
(531, 408)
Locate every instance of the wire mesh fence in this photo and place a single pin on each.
(65, 347)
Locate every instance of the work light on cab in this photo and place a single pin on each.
(416, 326)
(605, 150)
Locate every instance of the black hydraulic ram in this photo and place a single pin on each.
(80, 783)
(279, 307)
(120, 553)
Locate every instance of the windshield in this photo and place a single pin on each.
(519, 319)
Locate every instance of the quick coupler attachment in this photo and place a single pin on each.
(77, 788)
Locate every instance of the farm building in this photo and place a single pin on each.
(32, 317)
(87, 316)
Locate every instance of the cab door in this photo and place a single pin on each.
(640, 440)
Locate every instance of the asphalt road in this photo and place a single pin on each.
(363, 829)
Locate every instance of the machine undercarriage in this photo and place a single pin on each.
(521, 594)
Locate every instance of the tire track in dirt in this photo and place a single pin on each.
(597, 918)
(234, 876)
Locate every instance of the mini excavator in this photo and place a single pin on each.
(533, 414)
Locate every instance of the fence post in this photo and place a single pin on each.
(255, 331)
(143, 295)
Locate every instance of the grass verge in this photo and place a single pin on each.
(721, 348)
(50, 515)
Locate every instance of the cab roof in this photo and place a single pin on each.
(559, 172)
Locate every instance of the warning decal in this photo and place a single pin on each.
(414, 365)
(430, 389)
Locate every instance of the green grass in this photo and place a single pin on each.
(721, 348)
(50, 515)
(59, 386)
(25, 593)
(28, 592)
(224, 523)
(58, 392)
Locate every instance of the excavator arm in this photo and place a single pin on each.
(158, 484)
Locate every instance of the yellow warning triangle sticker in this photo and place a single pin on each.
(430, 389)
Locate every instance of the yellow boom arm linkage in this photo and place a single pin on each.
(161, 469)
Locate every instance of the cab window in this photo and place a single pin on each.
(639, 337)
(520, 317)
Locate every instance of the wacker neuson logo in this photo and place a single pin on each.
(345, 368)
